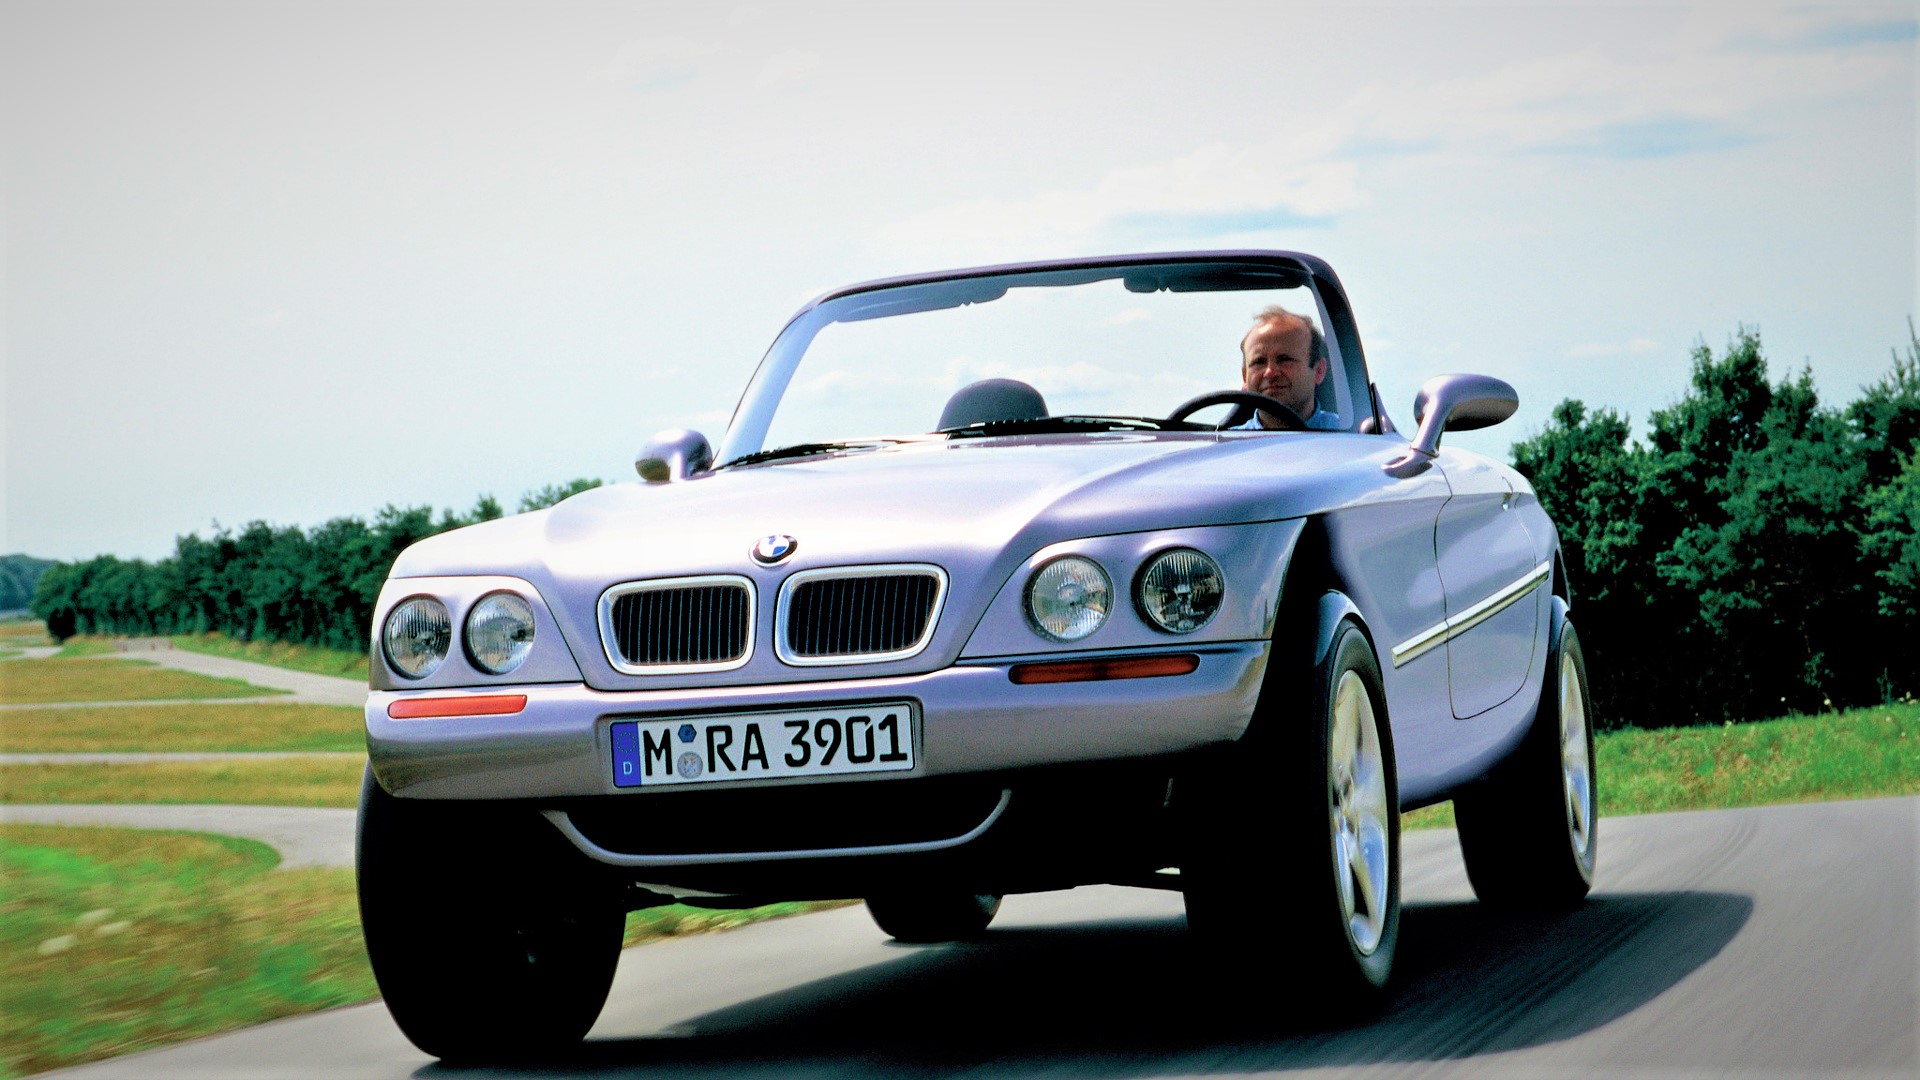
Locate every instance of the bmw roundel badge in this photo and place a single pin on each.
(772, 549)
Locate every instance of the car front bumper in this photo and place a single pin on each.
(972, 718)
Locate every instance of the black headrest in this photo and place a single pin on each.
(990, 400)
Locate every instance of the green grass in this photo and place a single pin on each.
(194, 726)
(120, 940)
(314, 781)
(1858, 754)
(38, 682)
(347, 663)
(76, 647)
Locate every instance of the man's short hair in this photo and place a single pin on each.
(1317, 342)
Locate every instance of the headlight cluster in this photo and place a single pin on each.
(1069, 598)
(1178, 591)
(419, 633)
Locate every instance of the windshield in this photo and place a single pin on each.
(1107, 342)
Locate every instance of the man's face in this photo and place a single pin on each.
(1274, 363)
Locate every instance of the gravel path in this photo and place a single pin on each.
(304, 836)
(304, 686)
(133, 757)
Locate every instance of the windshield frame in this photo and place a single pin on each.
(1184, 271)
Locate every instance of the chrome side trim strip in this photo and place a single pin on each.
(1440, 633)
(614, 858)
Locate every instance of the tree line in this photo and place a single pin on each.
(316, 586)
(1758, 553)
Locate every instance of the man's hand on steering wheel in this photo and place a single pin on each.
(1246, 402)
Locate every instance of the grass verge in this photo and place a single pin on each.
(316, 781)
(122, 940)
(351, 664)
(194, 726)
(1858, 754)
(76, 647)
(38, 682)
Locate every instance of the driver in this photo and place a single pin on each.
(1284, 357)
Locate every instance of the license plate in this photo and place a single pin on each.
(764, 746)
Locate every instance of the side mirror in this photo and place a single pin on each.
(1453, 403)
(674, 454)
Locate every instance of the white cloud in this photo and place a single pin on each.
(791, 69)
(1214, 189)
(659, 63)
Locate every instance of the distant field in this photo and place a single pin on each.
(24, 682)
(23, 633)
(1859, 754)
(319, 781)
(250, 726)
(351, 664)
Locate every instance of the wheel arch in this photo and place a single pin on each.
(1314, 602)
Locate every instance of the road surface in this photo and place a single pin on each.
(1770, 942)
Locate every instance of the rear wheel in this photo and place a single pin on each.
(1294, 852)
(490, 936)
(1530, 832)
(933, 916)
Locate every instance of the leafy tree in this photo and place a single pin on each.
(1886, 416)
(1890, 546)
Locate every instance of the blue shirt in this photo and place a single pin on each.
(1321, 420)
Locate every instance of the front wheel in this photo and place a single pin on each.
(1294, 853)
(1530, 832)
(490, 936)
(922, 918)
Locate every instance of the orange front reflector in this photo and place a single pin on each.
(489, 705)
(1137, 667)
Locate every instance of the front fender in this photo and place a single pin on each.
(1336, 607)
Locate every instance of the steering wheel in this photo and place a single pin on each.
(1248, 403)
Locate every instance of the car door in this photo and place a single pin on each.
(1489, 567)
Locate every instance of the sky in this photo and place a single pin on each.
(290, 262)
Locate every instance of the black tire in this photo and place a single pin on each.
(492, 939)
(1530, 832)
(924, 918)
(1272, 872)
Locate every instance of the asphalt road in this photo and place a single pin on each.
(1768, 942)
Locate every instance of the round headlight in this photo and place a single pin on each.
(1069, 598)
(1179, 590)
(500, 632)
(417, 635)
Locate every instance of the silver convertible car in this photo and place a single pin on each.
(1000, 580)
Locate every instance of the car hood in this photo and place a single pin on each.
(914, 501)
(977, 509)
